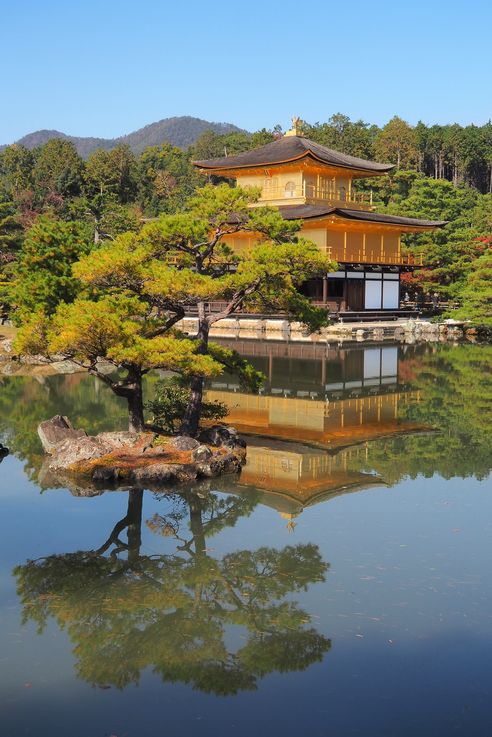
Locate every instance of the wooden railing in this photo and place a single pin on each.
(362, 256)
(339, 195)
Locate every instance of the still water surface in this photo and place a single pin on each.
(340, 586)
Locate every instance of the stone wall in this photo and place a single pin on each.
(407, 331)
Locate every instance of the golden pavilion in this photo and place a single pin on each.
(316, 184)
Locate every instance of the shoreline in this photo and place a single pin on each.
(289, 331)
(274, 331)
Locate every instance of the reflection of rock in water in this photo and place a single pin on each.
(86, 487)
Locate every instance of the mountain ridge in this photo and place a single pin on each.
(180, 131)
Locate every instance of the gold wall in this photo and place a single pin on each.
(343, 242)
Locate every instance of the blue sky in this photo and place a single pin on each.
(106, 68)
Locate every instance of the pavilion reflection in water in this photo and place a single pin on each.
(313, 422)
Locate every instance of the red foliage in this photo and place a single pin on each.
(407, 369)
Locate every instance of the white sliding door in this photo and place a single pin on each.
(373, 295)
(391, 295)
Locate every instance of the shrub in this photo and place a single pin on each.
(170, 403)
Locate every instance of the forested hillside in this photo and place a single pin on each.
(180, 131)
(54, 205)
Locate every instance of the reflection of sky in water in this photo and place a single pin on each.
(406, 604)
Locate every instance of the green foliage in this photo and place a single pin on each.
(105, 215)
(16, 170)
(476, 294)
(450, 252)
(397, 143)
(42, 276)
(10, 234)
(58, 172)
(169, 405)
(166, 179)
(115, 328)
(212, 145)
(112, 172)
(126, 612)
(340, 133)
(178, 261)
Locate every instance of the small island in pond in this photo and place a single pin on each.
(139, 459)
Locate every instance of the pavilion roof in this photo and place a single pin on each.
(292, 148)
(316, 212)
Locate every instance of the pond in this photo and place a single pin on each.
(339, 586)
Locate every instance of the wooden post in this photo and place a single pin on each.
(325, 289)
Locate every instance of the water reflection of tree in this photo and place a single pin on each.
(126, 611)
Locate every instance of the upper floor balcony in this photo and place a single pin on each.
(383, 256)
(293, 193)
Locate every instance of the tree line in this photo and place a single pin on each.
(55, 206)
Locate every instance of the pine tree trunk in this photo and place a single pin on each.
(196, 525)
(191, 419)
(456, 175)
(441, 165)
(134, 517)
(131, 389)
(135, 408)
(97, 235)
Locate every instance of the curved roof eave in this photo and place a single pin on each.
(288, 149)
(313, 212)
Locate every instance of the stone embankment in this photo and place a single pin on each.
(248, 328)
(12, 365)
(141, 460)
(405, 331)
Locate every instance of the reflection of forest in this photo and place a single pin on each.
(366, 406)
(126, 611)
(25, 401)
